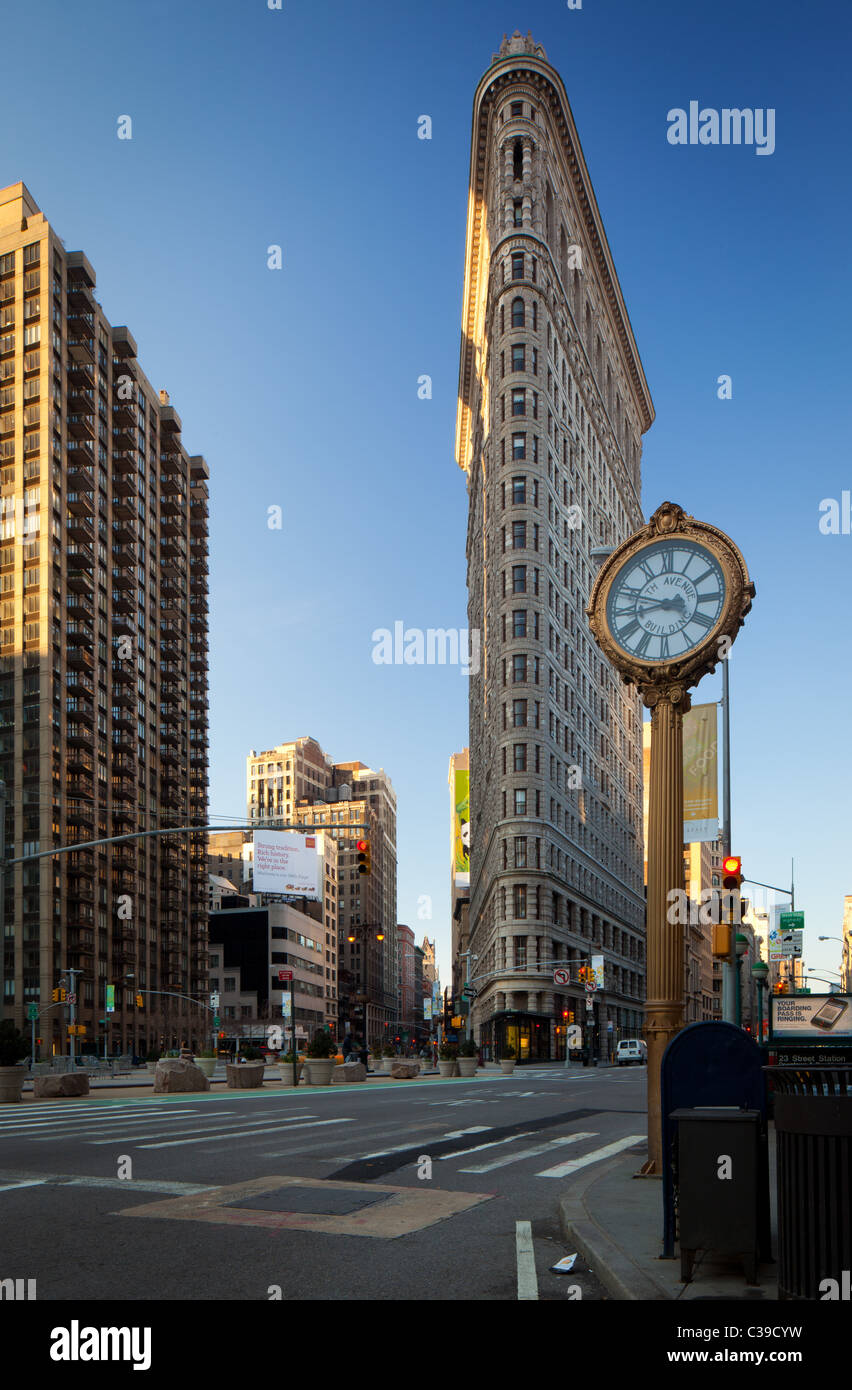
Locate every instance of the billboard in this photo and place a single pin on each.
(285, 862)
(461, 827)
(700, 774)
(815, 1017)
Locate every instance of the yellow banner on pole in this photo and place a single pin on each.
(700, 774)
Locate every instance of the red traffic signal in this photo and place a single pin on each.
(365, 863)
(732, 871)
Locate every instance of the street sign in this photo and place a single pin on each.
(469, 992)
(32, 1012)
(590, 986)
(561, 977)
(72, 999)
(216, 1021)
(214, 1001)
(284, 975)
(791, 941)
(791, 921)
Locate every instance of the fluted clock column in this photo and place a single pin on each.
(664, 942)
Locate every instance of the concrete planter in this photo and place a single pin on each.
(320, 1070)
(375, 1063)
(507, 1065)
(11, 1083)
(387, 1063)
(151, 1068)
(449, 1068)
(285, 1071)
(467, 1066)
(207, 1065)
(242, 1076)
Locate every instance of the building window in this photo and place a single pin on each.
(519, 446)
(520, 801)
(519, 492)
(519, 758)
(519, 669)
(520, 851)
(519, 622)
(519, 713)
(518, 357)
(519, 579)
(518, 166)
(518, 212)
(517, 313)
(519, 402)
(520, 903)
(517, 265)
(517, 108)
(519, 535)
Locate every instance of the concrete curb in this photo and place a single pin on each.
(620, 1276)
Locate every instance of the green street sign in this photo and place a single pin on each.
(216, 1020)
(32, 1012)
(791, 921)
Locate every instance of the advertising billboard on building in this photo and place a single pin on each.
(461, 827)
(598, 967)
(815, 1017)
(700, 774)
(286, 862)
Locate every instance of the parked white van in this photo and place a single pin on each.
(631, 1050)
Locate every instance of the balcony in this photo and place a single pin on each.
(82, 349)
(80, 890)
(81, 504)
(79, 657)
(81, 454)
(81, 373)
(124, 463)
(124, 525)
(123, 344)
(80, 529)
(80, 861)
(123, 557)
(171, 461)
(81, 426)
(80, 819)
(169, 420)
(79, 710)
(123, 603)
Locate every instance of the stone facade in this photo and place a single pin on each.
(552, 407)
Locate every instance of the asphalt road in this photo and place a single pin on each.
(409, 1190)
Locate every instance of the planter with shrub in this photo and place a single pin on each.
(507, 1061)
(206, 1061)
(321, 1053)
(13, 1049)
(447, 1060)
(468, 1058)
(285, 1066)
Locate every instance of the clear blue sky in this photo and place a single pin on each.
(299, 127)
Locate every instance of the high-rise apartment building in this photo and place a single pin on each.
(103, 658)
(552, 407)
(299, 783)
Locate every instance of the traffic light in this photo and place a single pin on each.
(221, 1034)
(56, 996)
(732, 872)
(570, 1016)
(63, 995)
(720, 933)
(139, 1001)
(365, 862)
(565, 1014)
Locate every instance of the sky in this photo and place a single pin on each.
(298, 128)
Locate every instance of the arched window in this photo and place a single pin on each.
(518, 160)
(518, 317)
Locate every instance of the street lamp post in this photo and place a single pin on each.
(759, 973)
(741, 946)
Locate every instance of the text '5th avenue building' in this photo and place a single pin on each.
(552, 406)
(103, 664)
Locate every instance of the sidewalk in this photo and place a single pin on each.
(615, 1221)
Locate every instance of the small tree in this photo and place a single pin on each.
(469, 1048)
(13, 1044)
(322, 1044)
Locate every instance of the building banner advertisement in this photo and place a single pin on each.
(700, 774)
(427, 1010)
(812, 1016)
(598, 967)
(286, 862)
(461, 828)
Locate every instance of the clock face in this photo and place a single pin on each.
(665, 600)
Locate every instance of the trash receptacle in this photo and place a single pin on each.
(813, 1126)
(717, 1173)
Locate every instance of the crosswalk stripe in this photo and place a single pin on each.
(221, 1130)
(64, 1117)
(34, 1182)
(529, 1152)
(563, 1169)
(525, 1255)
(65, 1130)
(460, 1153)
(248, 1133)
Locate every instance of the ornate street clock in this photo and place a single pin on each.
(669, 601)
(665, 609)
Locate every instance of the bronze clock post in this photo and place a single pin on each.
(665, 608)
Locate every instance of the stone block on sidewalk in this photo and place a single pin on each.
(173, 1074)
(405, 1071)
(241, 1076)
(348, 1071)
(72, 1084)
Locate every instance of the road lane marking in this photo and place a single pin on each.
(563, 1169)
(510, 1139)
(527, 1280)
(529, 1152)
(247, 1133)
(34, 1182)
(196, 1129)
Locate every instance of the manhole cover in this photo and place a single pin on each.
(310, 1200)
